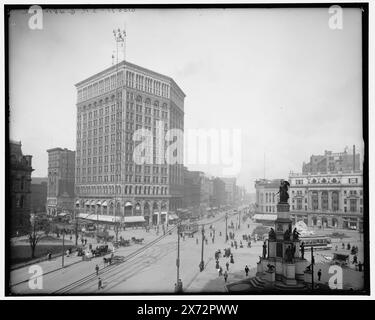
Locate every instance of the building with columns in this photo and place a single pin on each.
(112, 106)
(327, 199)
(266, 195)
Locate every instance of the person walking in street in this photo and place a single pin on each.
(100, 283)
(247, 270)
(319, 274)
(97, 269)
(227, 265)
(225, 276)
(220, 271)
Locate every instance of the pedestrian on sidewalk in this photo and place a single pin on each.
(227, 265)
(196, 241)
(225, 276)
(97, 270)
(319, 274)
(220, 271)
(100, 283)
(247, 270)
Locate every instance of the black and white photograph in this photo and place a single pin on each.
(186, 150)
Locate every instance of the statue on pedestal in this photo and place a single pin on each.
(283, 191)
(264, 250)
(272, 235)
(287, 234)
(296, 234)
(288, 254)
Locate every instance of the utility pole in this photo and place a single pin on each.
(226, 227)
(312, 268)
(63, 249)
(178, 282)
(202, 262)
(239, 219)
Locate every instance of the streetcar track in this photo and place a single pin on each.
(109, 268)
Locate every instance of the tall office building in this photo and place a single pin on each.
(60, 187)
(112, 106)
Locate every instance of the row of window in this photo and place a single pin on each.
(101, 86)
(146, 190)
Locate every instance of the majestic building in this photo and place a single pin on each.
(327, 199)
(19, 189)
(197, 188)
(266, 195)
(111, 108)
(60, 188)
(332, 162)
(219, 194)
(230, 190)
(38, 194)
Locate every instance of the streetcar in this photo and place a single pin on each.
(317, 242)
(189, 229)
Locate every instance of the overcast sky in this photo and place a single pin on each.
(282, 76)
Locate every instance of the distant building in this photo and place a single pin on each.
(38, 194)
(230, 189)
(20, 177)
(197, 188)
(327, 200)
(329, 192)
(266, 195)
(218, 193)
(60, 189)
(333, 162)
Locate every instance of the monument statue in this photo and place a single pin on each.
(287, 234)
(272, 235)
(264, 250)
(283, 191)
(296, 234)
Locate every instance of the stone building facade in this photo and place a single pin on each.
(327, 199)
(266, 195)
(112, 107)
(19, 189)
(60, 187)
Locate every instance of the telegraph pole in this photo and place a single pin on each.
(178, 283)
(202, 262)
(312, 268)
(226, 227)
(63, 249)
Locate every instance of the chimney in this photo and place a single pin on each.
(353, 157)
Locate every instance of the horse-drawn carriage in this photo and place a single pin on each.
(137, 240)
(340, 259)
(100, 250)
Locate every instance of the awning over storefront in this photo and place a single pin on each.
(267, 217)
(111, 218)
(77, 202)
(63, 214)
(104, 204)
(93, 203)
(128, 204)
(172, 216)
(98, 203)
(87, 203)
(133, 219)
(164, 212)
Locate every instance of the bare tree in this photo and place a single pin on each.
(38, 229)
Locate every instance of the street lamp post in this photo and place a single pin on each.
(178, 282)
(202, 262)
(226, 226)
(312, 268)
(63, 249)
